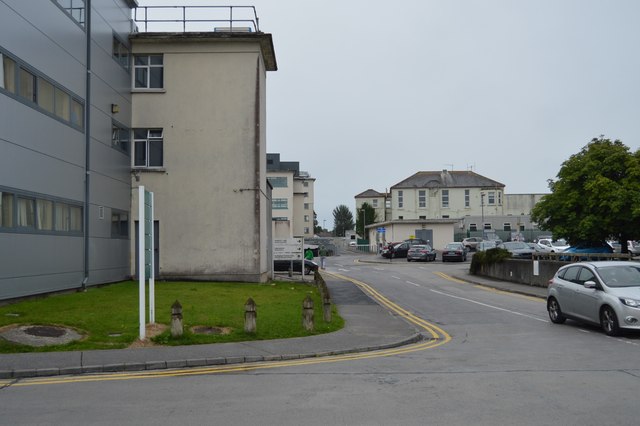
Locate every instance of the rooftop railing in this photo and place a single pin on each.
(196, 19)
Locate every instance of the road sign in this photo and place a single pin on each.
(288, 249)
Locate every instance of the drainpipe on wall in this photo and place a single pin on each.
(87, 143)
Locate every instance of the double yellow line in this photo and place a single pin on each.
(438, 337)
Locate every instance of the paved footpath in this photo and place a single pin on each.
(368, 327)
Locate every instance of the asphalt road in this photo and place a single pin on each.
(505, 364)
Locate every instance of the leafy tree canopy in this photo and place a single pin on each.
(596, 195)
(342, 220)
(369, 217)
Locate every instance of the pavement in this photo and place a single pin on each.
(368, 327)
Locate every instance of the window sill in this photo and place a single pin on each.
(148, 90)
(148, 170)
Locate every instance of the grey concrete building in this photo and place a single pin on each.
(65, 116)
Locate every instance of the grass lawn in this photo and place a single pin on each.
(108, 316)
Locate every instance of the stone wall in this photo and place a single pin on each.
(522, 271)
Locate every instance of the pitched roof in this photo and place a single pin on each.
(447, 179)
(369, 193)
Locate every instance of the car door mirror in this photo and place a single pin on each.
(589, 284)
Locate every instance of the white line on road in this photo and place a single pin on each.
(489, 306)
(397, 278)
(409, 282)
(343, 270)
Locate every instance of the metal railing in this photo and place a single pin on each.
(197, 18)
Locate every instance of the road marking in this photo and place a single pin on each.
(438, 337)
(393, 276)
(409, 282)
(490, 289)
(343, 270)
(488, 306)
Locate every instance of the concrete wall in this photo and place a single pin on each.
(522, 271)
(211, 195)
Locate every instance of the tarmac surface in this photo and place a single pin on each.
(368, 327)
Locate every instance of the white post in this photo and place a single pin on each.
(152, 272)
(141, 272)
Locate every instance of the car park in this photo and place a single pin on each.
(606, 293)
(518, 249)
(421, 252)
(295, 266)
(485, 245)
(471, 243)
(454, 251)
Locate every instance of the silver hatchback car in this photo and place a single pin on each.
(605, 293)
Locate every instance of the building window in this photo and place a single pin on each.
(445, 198)
(491, 198)
(306, 218)
(400, 217)
(120, 138)
(487, 226)
(445, 216)
(422, 198)
(499, 198)
(278, 181)
(473, 227)
(305, 184)
(44, 215)
(75, 9)
(422, 217)
(8, 73)
(387, 203)
(374, 203)
(46, 98)
(280, 219)
(280, 204)
(400, 199)
(148, 147)
(6, 210)
(26, 212)
(148, 72)
(120, 53)
(68, 218)
(307, 206)
(119, 224)
(507, 226)
(467, 198)
(27, 85)
(306, 229)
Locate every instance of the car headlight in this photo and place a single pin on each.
(630, 302)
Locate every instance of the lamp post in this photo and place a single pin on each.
(482, 207)
(324, 224)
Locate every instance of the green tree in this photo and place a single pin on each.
(369, 217)
(342, 220)
(596, 195)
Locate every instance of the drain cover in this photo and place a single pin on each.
(44, 331)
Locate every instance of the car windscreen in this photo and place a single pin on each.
(620, 276)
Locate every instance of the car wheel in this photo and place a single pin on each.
(408, 260)
(555, 313)
(609, 321)
(307, 270)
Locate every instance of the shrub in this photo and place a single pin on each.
(487, 257)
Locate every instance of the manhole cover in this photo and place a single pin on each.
(44, 331)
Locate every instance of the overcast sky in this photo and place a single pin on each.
(367, 93)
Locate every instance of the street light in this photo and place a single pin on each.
(324, 224)
(482, 207)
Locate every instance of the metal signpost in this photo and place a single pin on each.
(146, 266)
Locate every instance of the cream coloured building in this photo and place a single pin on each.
(199, 144)
(292, 198)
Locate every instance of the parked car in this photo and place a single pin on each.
(387, 249)
(590, 249)
(549, 246)
(605, 293)
(284, 265)
(454, 251)
(401, 249)
(420, 252)
(633, 247)
(472, 242)
(485, 245)
(535, 247)
(518, 249)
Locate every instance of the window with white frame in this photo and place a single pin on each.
(422, 198)
(148, 148)
(445, 198)
(506, 226)
(306, 229)
(487, 226)
(148, 72)
(491, 198)
(467, 198)
(473, 227)
(499, 198)
(306, 218)
(400, 199)
(374, 203)
(306, 206)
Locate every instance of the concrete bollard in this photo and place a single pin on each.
(250, 315)
(307, 313)
(326, 309)
(176, 320)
